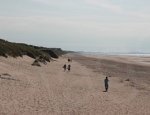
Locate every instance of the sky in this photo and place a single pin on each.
(78, 25)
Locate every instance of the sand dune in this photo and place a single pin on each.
(48, 90)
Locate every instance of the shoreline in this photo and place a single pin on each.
(126, 68)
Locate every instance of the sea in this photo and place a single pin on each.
(115, 54)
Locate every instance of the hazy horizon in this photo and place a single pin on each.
(81, 25)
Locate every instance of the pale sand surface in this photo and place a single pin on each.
(48, 90)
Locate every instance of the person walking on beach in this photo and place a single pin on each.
(69, 67)
(106, 84)
(65, 67)
(69, 60)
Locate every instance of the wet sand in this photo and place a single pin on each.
(48, 90)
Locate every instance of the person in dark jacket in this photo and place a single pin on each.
(106, 84)
(65, 67)
(69, 67)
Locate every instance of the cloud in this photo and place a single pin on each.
(102, 3)
(138, 14)
(77, 26)
(43, 1)
(52, 2)
(116, 8)
(105, 4)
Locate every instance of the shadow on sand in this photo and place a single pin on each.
(7, 78)
(105, 91)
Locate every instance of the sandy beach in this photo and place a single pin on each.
(48, 90)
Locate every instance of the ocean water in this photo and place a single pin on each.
(147, 55)
(115, 54)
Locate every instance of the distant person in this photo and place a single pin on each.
(106, 84)
(69, 60)
(69, 67)
(65, 67)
